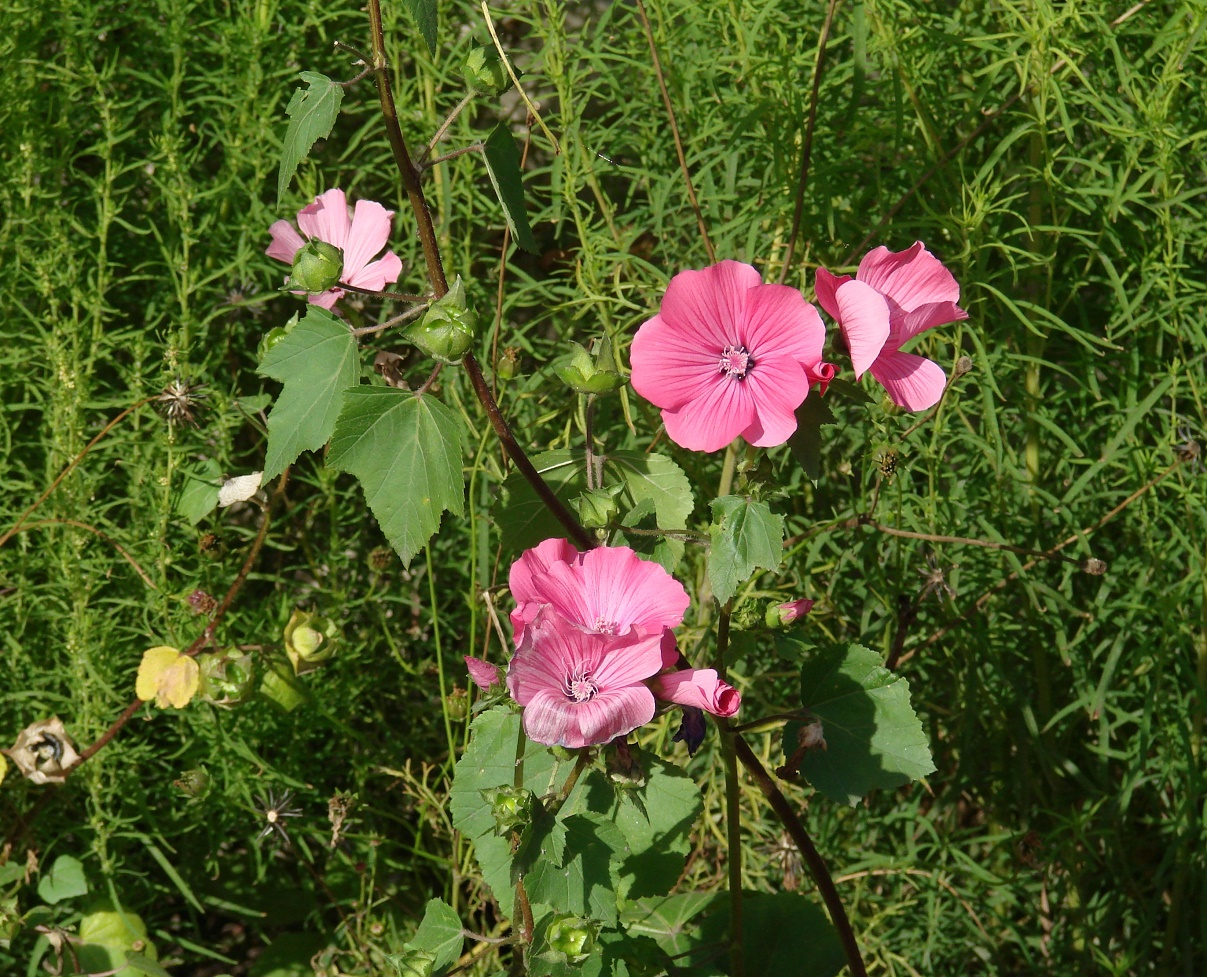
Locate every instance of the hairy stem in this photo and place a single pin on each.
(733, 815)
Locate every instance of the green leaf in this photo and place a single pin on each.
(424, 12)
(199, 494)
(656, 820)
(145, 965)
(503, 165)
(489, 761)
(406, 451)
(312, 112)
(439, 934)
(745, 536)
(108, 938)
(667, 919)
(65, 880)
(656, 480)
(872, 736)
(584, 884)
(805, 444)
(783, 934)
(317, 361)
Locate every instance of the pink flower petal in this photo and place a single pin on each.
(913, 382)
(367, 235)
(825, 285)
(626, 661)
(779, 323)
(863, 315)
(327, 218)
(376, 275)
(285, 242)
(710, 302)
(327, 299)
(911, 278)
(821, 375)
(483, 673)
(708, 423)
(699, 688)
(670, 649)
(615, 713)
(520, 581)
(671, 364)
(909, 324)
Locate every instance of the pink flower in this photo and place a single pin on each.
(793, 609)
(728, 355)
(579, 688)
(894, 296)
(609, 590)
(483, 673)
(360, 236)
(699, 688)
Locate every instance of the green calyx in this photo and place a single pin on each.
(226, 680)
(485, 73)
(316, 268)
(597, 508)
(511, 807)
(572, 936)
(309, 641)
(588, 373)
(448, 329)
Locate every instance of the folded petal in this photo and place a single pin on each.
(912, 381)
(483, 673)
(710, 302)
(367, 235)
(614, 713)
(911, 278)
(909, 324)
(327, 218)
(698, 687)
(825, 285)
(821, 375)
(285, 242)
(863, 315)
(523, 590)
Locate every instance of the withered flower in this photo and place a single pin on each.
(44, 752)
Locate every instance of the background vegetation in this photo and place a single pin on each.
(1051, 154)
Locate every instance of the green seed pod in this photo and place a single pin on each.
(573, 936)
(415, 963)
(587, 374)
(509, 363)
(511, 807)
(226, 680)
(309, 641)
(448, 329)
(597, 508)
(193, 783)
(485, 73)
(316, 268)
(456, 704)
(279, 687)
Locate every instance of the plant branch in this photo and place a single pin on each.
(392, 321)
(670, 114)
(452, 117)
(377, 294)
(100, 535)
(806, 153)
(1088, 565)
(813, 860)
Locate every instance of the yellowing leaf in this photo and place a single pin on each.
(3, 768)
(168, 677)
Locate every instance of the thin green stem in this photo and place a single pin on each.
(728, 467)
(435, 617)
(733, 814)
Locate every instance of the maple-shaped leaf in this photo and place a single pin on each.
(406, 450)
(317, 361)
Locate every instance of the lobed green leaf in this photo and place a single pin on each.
(312, 113)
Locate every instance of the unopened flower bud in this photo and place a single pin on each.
(484, 675)
(193, 783)
(226, 680)
(271, 338)
(511, 807)
(309, 641)
(587, 374)
(316, 268)
(456, 705)
(416, 963)
(448, 329)
(509, 363)
(779, 615)
(597, 508)
(201, 602)
(1094, 566)
(485, 73)
(963, 365)
(278, 687)
(573, 936)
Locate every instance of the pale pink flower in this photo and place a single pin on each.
(608, 590)
(793, 609)
(483, 673)
(727, 355)
(580, 688)
(699, 688)
(894, 296)
(360, 235)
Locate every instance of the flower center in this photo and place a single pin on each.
(735, 362)
(579, 686)
(603, 626)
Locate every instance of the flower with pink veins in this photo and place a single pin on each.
(608, 590)
(894, 296)
(360, 235)
(727, 355)
(581, 689)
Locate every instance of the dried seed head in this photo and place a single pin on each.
(963, 365)
(887, 463)
(1094, 567)
(179, 399)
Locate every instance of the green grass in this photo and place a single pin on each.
(138, 146)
